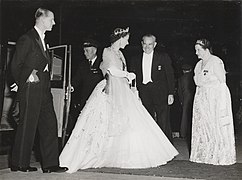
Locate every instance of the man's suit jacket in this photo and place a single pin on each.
(85, 80)
(36, 110)
(162, 73)
(29, 55)
(186, 88)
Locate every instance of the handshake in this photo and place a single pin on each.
(130, 76)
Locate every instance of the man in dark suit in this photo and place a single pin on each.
(155, 82)
(31, 70)
(87, 76)
(186, 91)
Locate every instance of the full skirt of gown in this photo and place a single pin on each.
(115, 130)
(212, 127)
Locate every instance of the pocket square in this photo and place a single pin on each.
(46, 68)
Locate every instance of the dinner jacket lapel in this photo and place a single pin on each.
(140, 66)
(154, 61)
(38, 40)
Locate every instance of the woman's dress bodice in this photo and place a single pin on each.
(211, 74)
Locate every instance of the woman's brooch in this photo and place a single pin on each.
(205, 72)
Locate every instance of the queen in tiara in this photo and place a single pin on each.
(114, 129)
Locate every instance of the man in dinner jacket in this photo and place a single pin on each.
(155, 82)
(31, 67)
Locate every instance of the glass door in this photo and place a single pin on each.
(61, 85)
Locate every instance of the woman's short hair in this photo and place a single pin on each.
(204, 43)
(118, 33)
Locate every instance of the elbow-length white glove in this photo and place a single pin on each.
(119, 73)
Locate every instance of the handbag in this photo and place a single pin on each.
(134, 89)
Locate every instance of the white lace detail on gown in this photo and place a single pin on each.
(115, 130)
(212, 127)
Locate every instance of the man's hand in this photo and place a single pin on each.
(33, 77)
(170, 99)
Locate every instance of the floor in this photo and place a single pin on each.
(178, 169)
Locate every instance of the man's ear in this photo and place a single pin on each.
(41, 19)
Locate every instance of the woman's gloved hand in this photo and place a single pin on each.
(131, 76)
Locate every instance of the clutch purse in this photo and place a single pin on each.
(134, 89)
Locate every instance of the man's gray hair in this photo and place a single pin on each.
(149, 35)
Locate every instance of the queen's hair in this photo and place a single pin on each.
(118, 33)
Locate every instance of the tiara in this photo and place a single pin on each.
(120, 31)
(199, 42)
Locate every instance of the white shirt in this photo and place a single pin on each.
(93, 60)
(146, 67)
(42, 36)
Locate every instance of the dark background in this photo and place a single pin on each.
(177, 25)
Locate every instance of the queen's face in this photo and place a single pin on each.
(200, 52)
(124, 41)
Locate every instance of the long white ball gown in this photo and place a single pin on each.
(213, 139)
(114, 129)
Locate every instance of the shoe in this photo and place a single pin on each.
(56, 169)
(23, 169)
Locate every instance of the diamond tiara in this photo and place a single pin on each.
(120, 31)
